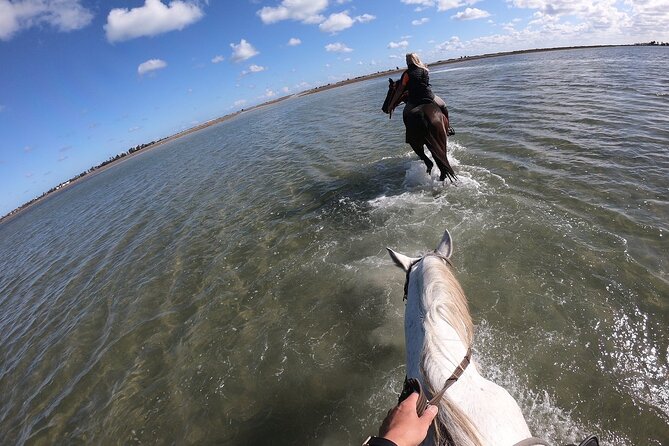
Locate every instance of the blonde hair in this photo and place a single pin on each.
(413, 59)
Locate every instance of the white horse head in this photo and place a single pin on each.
(438, 334)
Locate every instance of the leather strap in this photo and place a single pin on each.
(422, 403)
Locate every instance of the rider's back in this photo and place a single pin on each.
(419, 85)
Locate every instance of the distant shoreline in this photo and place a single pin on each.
(118, 159)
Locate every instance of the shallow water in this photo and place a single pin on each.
(232, 286)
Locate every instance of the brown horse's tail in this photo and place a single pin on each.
(437, 141)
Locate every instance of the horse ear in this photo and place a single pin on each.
(390, 80)
(401, 260)
(445, 247)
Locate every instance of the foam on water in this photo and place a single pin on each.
(644, 375)
(545, 417)
(416, 178)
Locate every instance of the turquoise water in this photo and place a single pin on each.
(232, 286)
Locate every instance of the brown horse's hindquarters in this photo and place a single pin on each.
(426, 124)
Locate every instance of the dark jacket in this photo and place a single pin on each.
(419, 85)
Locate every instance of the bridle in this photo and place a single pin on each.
(429, 254)
(391, 95)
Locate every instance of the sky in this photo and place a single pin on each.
(81, 81)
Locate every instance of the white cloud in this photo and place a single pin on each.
(217, 59)
(151, 65)
(294, 41)
(337, 48)
(445, 5)
(239, 102)
(420, 21)
(64, 15)
(365, 18)
(341, 21)
(453, 43)
(306, 11)
(254, 69)
(650, 18)
(269, 93)
(603, 14)
(400, 44)
(336, 22)
(508, 27)
(424, 3)
(471, 14)
(442, 5)
(151, 19)
(242, 51)
(571, 22)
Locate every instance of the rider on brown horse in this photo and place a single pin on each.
(425, 116)
(416, 81)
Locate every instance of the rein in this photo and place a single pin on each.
(413, 385)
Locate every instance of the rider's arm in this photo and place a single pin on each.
(404, 79)
(403, 426)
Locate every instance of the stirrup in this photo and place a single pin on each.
(450, 132)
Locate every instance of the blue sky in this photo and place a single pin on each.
(81, 81)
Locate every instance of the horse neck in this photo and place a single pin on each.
(447, 323)
(439, 331)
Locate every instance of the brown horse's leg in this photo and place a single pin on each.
(437, 142)
(418, 148)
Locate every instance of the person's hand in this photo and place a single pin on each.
(402, 424)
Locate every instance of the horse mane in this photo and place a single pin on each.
(447, 303)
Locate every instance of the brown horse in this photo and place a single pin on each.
(425, 125)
